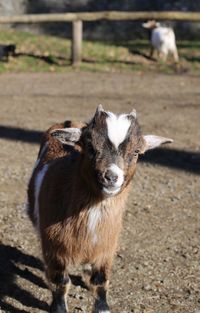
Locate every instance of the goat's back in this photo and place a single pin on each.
(50, 150)
(163, 38)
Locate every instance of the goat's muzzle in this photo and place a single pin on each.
(111, 180)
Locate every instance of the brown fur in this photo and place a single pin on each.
(54, 149)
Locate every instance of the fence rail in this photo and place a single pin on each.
(77, 20)
(103, 15)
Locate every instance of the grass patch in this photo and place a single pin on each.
(43, 53)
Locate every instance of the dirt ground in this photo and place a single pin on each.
(157, 266)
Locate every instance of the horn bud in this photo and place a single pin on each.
(99, 109)
(133, 113)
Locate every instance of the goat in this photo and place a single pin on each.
(77, 194)
(162, 39)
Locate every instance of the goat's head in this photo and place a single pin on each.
(111, 145)
(151, 24)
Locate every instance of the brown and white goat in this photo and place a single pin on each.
(77, 195)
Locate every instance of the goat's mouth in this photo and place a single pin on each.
(110, 191)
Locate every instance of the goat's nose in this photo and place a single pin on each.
(110, 176)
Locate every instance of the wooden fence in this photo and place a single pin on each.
(77, 20)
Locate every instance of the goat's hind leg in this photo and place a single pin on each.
(151, 52)
(59, 284)
(175, 55)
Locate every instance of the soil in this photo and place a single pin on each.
(157, 265)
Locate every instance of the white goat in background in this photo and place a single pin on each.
(162, 39)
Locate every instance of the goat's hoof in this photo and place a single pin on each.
(101, 307)
(58, 306)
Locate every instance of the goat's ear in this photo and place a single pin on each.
(145, 25)
(152, 141)
(67, 136)
(133, 114)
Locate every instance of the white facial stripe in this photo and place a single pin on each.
(38, 183)
(117, 127)
(94, 217)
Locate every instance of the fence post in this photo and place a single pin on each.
(77, 30)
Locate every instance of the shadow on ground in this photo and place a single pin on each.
(173, 158)
(96, 61)
(188, 161)
(20, 134)
(192, 58)
(11, 259)
(50, 59)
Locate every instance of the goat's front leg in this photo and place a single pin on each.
(59, 284)
(99, 283)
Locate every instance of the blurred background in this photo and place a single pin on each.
(107, 44)
(157, 267)
(103, 30)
